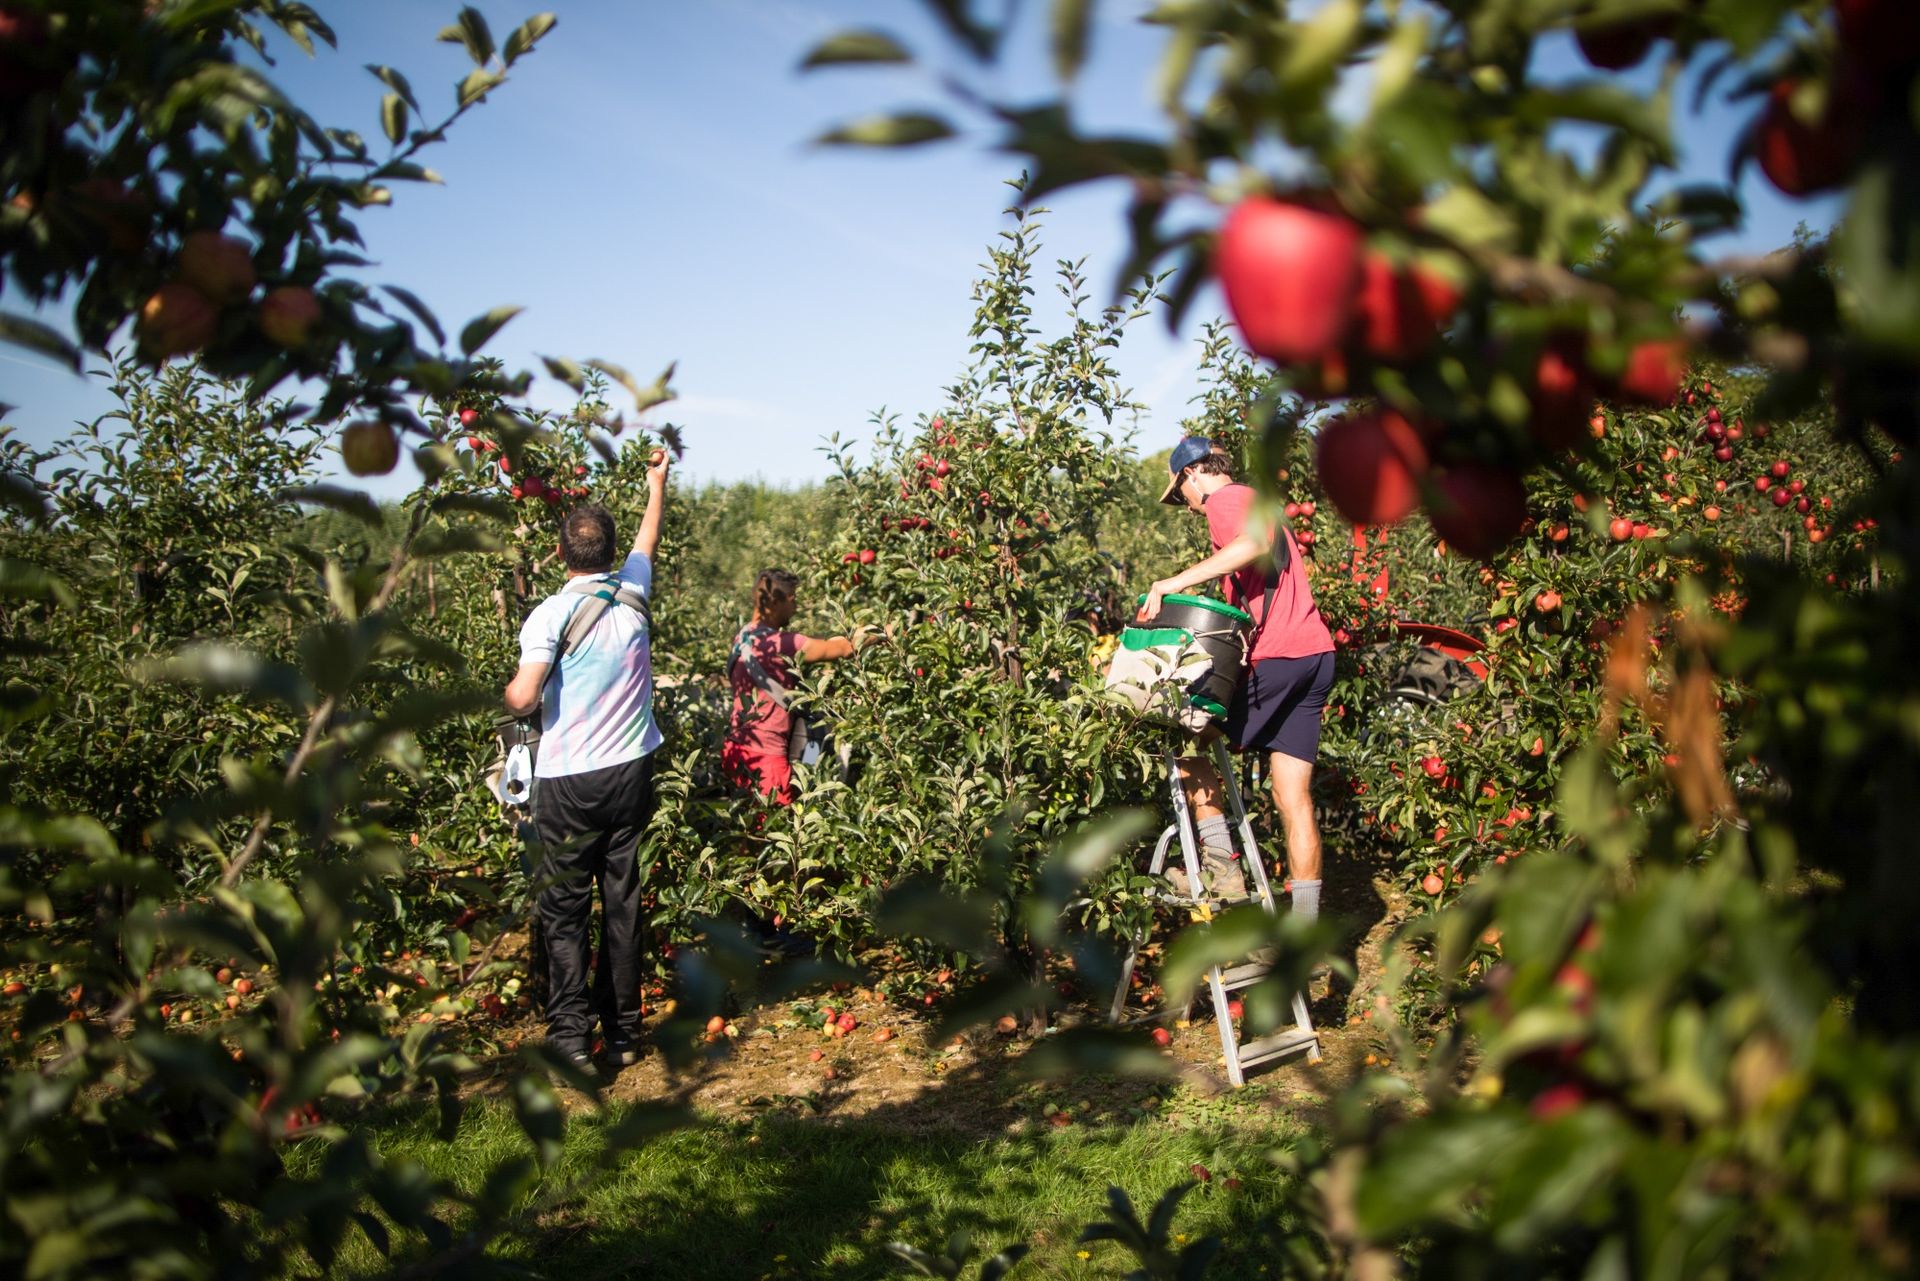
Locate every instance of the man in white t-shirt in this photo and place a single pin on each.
(593, 777)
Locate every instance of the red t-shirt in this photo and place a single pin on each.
(1295, 629)
(758, 727)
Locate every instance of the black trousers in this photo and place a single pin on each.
(590, 825)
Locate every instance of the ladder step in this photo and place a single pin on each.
(1246, 975)
(1278, 1045)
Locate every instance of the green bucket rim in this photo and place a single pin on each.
(1206, 602)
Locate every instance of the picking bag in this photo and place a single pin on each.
(1183, 666)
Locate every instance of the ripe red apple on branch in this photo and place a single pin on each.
(288, 315)
(220, 267)
(1478, 508)
(1290, 274)
(177, 320)
(1400, 311)
(1370, 464)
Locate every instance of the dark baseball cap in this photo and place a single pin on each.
(1189, 451)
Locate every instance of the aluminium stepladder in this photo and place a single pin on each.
(1222, 981)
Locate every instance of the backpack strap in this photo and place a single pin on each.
(600, 595)
(757, 673)
(1282, 557)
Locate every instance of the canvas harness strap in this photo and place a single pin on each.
(1282, 557)
(756, 671)
(600, 594)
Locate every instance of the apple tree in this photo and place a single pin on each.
(1676, 1035)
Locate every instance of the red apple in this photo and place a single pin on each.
(1781, 498)
(1781, 468)
(1399, 313)
(1711, 512)
(1290, 274)
(1162, 1037)
(1479, 508)
(1370, 465)
(1557, 1101)
(1763, 483)
(369, 448)
(1546, 602)
(1800, 156)
(1653, 372)
(288, 314)
(221, 267)
(1432, 883)
(1562, 393)
(1883, 34)
(176, 320)
(1723, 454)
(121, 215)
(467, 416)
(866, 556)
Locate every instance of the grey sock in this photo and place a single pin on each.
(1306, 899)
(1214, 833)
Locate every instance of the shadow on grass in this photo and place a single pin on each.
(786, 1195)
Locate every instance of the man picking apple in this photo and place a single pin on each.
(593, 775)
(1289, 669)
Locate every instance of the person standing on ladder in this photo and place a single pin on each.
(1289, 669)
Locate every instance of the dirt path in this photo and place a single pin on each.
(778, 1061)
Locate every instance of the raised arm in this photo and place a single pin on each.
(1252, 545)
(647, 541)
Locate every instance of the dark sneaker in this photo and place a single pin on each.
(623, 1053)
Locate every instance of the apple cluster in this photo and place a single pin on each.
(532, 487)
(1308, 293)
(213, 273)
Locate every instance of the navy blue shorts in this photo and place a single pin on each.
(1279, 705)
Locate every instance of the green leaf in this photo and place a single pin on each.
(1071, 20)
(349, 502)
(568, 372)
(24, 580)
(36, 337)
(644, 398)
(470, 29)
(477, 85)
(907, 129)
(481, 328)
(1320, 44)
(455, 540)
(526, 35)
(225, 669)
(1083, 1051)
(393, 117)
(479, 504)
(855, 47)
(396, 82)
(408, 299)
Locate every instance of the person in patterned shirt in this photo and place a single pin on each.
(593, 777)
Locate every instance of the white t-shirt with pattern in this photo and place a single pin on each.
(597, 710)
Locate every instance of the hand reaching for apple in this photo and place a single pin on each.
(657, 464)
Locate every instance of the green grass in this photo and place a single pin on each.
(785, 1197)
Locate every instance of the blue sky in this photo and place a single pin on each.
(645, 187)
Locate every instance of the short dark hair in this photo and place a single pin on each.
(1216, 463)
(587, 538)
